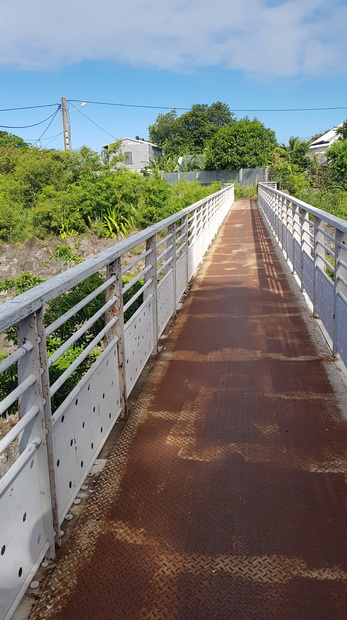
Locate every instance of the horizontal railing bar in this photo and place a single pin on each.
(342, 263)
(15, 356)
(326, 262)
(7, 479)
(178, 228)
(325, 247)
(137, 294)
(84, 328)
(341, 279)
(136, 278)
(164, 252)
(162, 267)
(180, 248)
(129, 266)
(66, 374)
(161, 241)
(16, 393)
(70, 313)
(18, 308)
(180, 237)
(326, 234)
(18, 428)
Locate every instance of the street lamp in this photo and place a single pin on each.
(66, 124)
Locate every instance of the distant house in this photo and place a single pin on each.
(321, 144)
(138, 153)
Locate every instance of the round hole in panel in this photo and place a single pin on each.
(31, 463)
(91, 446)
(88, 387)
(58, 463)
(39, 539)
(127, 361)
(71, 442)
(101, 430)
(62, 418)
(103, 395)
(70, 484)
(76, 401)
(81, 463)
(93, 409)
(109, 415)
(83, 424)
(24, 516)
(3, 549)
(20, 572)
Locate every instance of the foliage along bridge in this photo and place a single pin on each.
(225, 494)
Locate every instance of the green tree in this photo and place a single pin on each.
(188, 133)
(342, 131)
(296, 152)
(243, 144)
(337, 165)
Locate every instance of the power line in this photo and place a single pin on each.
(48, 126)
(94, 123)
(156, 107)
(29, 107)
(33, 125)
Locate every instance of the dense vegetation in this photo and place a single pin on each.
(47, 192)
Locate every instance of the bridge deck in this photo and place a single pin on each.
(225, 497)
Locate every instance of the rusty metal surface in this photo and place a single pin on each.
(225, 497)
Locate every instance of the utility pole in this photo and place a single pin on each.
(66, 128)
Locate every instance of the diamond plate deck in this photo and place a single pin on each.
(225, 497)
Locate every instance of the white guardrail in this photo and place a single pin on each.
(314, 244)
(57, 448)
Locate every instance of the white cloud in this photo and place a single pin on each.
(289, 38)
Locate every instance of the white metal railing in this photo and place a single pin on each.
(315, 245)
(65, 421)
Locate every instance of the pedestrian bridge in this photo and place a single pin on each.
(224, 496)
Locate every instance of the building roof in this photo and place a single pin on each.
(137, 140)
(327, 139)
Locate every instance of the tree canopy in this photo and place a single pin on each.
(188, 133)
(242, 144)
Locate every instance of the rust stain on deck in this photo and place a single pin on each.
(225, 497)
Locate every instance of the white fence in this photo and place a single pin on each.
(57, 448)
(314, 244)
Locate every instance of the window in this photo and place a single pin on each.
(129, 157)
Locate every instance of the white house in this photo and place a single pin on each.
(137, 151)
(321, 144)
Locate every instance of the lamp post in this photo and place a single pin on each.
(66, 124)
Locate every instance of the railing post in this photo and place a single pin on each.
(339, 279)
(151, 259)
(172, 254)
(117, 331)
(305, 245)
(318, 263)
(185, 240)
(35, 363)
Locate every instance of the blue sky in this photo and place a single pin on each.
(250, 54)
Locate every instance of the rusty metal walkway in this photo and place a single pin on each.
(225, 497)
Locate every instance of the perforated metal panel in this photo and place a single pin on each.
(82, 426)
(297, 256)
(139, 342)
(325, 301)
(23, 541)
(166, 305)
(341, 327)
(307, 276)
(181, 276)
